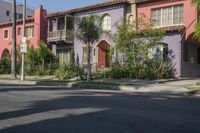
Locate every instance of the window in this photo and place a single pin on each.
(63, 55)
(19, 16)
(5, 34)
(53, 25)
(106, 23)
(61, 23)
(131, 19)
(167, 16)
(84, 61)
(7, 13)
(159, 52)
(29, 32)
(70, 24)
(19, 31)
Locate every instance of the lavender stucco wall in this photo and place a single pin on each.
(174, 41)
(116, 13)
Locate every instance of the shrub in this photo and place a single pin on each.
(40, 61)
(5, 65)
(67, 71)
(103, 73)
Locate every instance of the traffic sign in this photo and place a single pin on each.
(23, 48)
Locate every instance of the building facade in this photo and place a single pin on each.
(177, 17)
(6, 11)
(36, 27)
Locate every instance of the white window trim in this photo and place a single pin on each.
(4, 34)
(161, 21)
(109, 26)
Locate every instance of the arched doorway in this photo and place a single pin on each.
(102, 56)
(5, 53)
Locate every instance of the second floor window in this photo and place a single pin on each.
(29, 32)
(106, 23)
(167, 16)
(19, 31)
(7, 13)
(5, 34)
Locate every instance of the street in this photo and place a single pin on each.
(42, 109)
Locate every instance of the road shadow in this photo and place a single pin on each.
(108, 113)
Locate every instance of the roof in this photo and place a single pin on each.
(103, 4)
(28, 20)
(174, 28)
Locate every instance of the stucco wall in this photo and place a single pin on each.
(32, 41)
(190, 12)
(116, 12)
(174, 41)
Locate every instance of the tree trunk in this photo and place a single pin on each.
(88, 63)
(13, 66)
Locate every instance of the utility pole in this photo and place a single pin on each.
(13, 65)
(24, 41)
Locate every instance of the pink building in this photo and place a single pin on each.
(36, 27)
(178, 18)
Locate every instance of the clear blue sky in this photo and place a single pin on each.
(60, 5)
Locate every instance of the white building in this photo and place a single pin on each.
(6, 11)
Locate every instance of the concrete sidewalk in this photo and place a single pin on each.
(164, 86)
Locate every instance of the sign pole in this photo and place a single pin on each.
(23, 42)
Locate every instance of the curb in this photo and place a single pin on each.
(69, 85)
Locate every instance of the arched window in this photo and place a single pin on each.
(106, 23)
(130, 19)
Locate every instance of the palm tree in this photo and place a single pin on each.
(88, 31)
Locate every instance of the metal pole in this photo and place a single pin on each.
(13, 66)
(23, 54)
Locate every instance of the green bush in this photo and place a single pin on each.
(103, 73)
(67, 71)
(40, 61)
(5, 65)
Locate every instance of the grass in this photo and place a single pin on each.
(195, 88)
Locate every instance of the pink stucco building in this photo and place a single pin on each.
(35, 31)
(178, 18)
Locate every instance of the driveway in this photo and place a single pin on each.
(40, 109)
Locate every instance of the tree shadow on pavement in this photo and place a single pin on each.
(101, 112)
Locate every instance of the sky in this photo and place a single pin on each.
(60, 5)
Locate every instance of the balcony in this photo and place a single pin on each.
(60, 35)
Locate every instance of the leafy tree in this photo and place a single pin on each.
(39, 60)
(135, 44)
(88, 31)
(197, 32)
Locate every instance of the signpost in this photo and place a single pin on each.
(23, 47)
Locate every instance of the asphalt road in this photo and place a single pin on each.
(36, 109)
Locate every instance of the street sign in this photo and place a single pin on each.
(23, 39)
(23, 47)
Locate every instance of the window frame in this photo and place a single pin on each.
(6, 38)
(172, 15)
(108, 23)
(27, 31)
